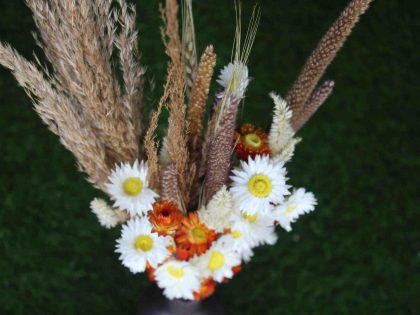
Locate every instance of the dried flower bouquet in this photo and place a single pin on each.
(192, 209)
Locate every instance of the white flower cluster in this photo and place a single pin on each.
(243, 215)
(260, 199)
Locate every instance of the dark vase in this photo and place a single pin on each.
(153, 302)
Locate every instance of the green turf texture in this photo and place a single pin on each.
(358, 253)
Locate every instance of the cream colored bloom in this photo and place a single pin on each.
(257, 229)
(298, 203)
(216, 215)
(219, 260)
(234, 78)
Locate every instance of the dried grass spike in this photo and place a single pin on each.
(315, 101)
(219, 156)
(322, 56)
(170, 190)
(199, 95)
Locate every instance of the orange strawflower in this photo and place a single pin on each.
(235, 269)
(208, 286)
(150, 272)
(165, 217)
(251, 141)
(192, 237)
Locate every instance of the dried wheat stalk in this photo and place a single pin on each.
(151, 146)
(133, 72)
(189, 50)
(78, 38)
(322, 56)
(61, 116)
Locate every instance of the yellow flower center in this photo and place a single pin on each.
(133, 186)
(236, 234)
(253, 140)
(198, 235)
(216, 261)
(291, 208)
(143, 243)
(176, 272)
(260, 185)
(250, 218)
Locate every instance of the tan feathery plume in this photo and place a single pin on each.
(322, 56)
(132, 71)
(59, 114)
(281, 131)
(170, 190)
(107, 216)
(151, 146)
(176, 139)
(189, 50)
(170, 32)
(199, 94)
(217, 213)
(314, 102)
(219, 155)
(78, 39)
(281, 137)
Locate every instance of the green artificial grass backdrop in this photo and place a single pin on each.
(358, 253)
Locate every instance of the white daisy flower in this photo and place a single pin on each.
(234, 78)
(219, 260)
(178, 279)
(129, 188)
(298, 203)
(255, 230)
(139, 245)
(107, 216)
(259, 183)
(218, 211)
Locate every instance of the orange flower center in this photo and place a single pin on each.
(198, 236)
(253, 140)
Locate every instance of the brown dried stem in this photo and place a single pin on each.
(322, 56)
